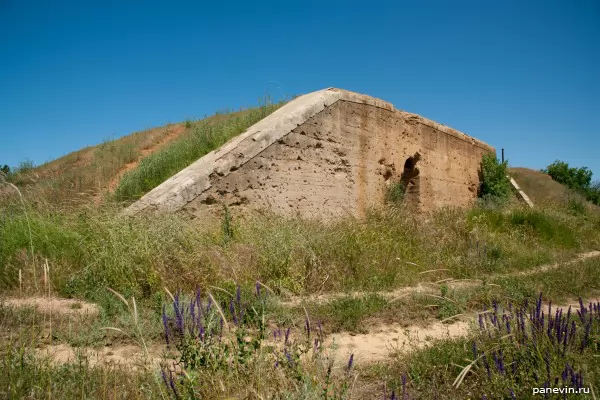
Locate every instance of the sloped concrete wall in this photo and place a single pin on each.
(324, 155)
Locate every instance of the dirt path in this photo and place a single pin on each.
(173, 132)
(385, 341)
(129, 355)
(55, 305)
(549, 267)
(434, 287)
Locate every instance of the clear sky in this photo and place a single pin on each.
(520, 75)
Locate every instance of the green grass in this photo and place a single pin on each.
(90, 249)
(204, 138)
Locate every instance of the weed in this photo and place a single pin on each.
(395, 193)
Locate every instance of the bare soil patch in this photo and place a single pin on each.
(386, 341)
(55, 305)
(173, 133)
(128, 355)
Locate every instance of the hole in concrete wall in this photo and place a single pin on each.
(387, 174)
(410, 169)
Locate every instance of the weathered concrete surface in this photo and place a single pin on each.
(326, 154)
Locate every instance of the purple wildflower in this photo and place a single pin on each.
(242, 312)
(474, 348)
(487, 367)
(307, 326)
(165, 321)
(172, 384)
(287, 335)
(320, 329)
(192, 315)
(586, 334)
(350, 362)
(289, 357)
(238, 295)
(496, 361)
(208, 305)
(232, 312)
(257, 289)
(512, 394)
(178, 313)
(501, 362)
(481, 322)
(163, 374)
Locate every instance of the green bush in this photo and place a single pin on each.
(395, 193)
(578, 179)
(494, 185)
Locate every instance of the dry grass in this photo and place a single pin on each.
(543, 190)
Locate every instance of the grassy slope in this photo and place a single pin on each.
(82, 176)
(204, 137)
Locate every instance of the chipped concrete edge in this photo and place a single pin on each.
(189, 183)
(520, 191)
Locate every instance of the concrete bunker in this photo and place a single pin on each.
(324, 155)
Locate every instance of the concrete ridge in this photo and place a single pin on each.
(520, 191)
(191, 182)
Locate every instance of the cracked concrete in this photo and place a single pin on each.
(325, 155)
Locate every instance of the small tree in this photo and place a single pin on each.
(575, 178)
(494, 184)
(5, 169)
(593, 194)
(578, 179)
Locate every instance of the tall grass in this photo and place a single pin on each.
(93, 248)
(205, 137)
(74, 178)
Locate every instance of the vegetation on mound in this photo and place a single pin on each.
(81, 176)
(578, 179)
(204, 138)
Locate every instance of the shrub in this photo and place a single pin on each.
(578, 179)
(575, 178)
(494, 185)
(395, 193)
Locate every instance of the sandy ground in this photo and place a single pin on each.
(54, 305)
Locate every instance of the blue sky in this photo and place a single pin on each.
(519, 75)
